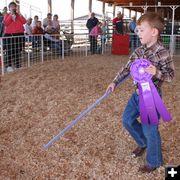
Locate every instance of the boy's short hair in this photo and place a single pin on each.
(154, 20)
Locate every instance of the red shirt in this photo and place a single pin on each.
(116, 20)
(37, 30)
(13, 27)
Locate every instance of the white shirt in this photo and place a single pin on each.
(27, 30)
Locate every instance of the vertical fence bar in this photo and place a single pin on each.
(63, 49)
(172, 31)
(28, 52)
(42, 49)
(86, 53)
(2, 57)
(86, 45)
(103, 46)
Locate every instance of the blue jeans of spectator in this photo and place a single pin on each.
(145, 135)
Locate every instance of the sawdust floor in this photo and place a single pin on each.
(37, 103)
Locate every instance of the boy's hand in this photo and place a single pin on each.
(111, 87)
(151, 70)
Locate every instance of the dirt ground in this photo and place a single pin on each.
(37, 103)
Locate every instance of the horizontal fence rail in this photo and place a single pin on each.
(23, 51)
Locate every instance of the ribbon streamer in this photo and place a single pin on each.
(150, 102)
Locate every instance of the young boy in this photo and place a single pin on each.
(149, 27)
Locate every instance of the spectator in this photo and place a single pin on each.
(92, 22)
(14, 31)
(133, 37)
(49, 28)
(37, 30)
(95, 32)
(28, 28)
(54, 43)
(103, 36)
(34, 22)
(48, 18)
(5, 9)
(28, 33)
(118, 26)
(55, 23)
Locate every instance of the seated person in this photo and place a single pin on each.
(34, 22)
(56, 44)
(49, 28)
(28, 29)
(37, 30)
(48, 18)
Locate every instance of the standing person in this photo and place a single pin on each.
(147, 136)
(95, 32)
(104, 35)
(118, 26)
(14, 31)
(133, 37)
(91, 22)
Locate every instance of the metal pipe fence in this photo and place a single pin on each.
(22, 52)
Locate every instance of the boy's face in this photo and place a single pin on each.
(146, 33)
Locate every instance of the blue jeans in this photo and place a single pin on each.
(145, 135)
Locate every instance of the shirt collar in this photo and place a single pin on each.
(154, 47)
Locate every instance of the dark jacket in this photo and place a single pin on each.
(91, 22)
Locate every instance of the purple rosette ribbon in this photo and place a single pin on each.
(150, 102)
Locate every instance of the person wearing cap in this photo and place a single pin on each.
(47, 19)
(13, 27)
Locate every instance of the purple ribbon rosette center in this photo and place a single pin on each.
(150, 102)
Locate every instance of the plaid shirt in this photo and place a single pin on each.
(158, 56)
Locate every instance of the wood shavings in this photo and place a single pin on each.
(37, 103)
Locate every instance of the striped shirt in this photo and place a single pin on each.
(158, 56)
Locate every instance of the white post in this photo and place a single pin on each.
(28, 53)
(86, 49)
(42, 49)
(72, 18)
(63, 49)
(103, 47)
(2, 57)
(172, 45)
